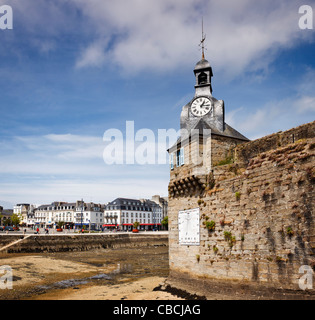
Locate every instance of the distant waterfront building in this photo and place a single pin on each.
(5, 214)
(90, 215)
(73, 214)
(123, 212)
(163, 203)
(22, 210)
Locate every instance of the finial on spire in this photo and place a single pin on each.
(203, 38)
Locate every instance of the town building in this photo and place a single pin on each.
(5, 215)
(162, 202)
(74, 215)
(122, 213)
(26, 212)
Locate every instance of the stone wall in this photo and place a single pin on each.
(246, 151)
(81, 242)
(263, 210)
(222, 148)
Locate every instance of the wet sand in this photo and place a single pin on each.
(107, 274)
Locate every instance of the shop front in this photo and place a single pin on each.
(150, 226)
(84, 226)
(110, 227)
(142, 226)
(69, 225)
(127, 226)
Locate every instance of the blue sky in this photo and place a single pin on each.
(70, 70)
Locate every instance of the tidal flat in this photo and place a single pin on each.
(109, 274)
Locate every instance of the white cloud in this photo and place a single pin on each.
(305, 104)
(272, 117)
(92, 56)
(163, 35)
(144, 35)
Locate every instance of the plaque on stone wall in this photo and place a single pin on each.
(188, 227)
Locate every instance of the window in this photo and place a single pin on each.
(172, 161)
(180, 157)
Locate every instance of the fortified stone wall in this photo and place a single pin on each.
(261, 210)
(222, 148)
(243, 153)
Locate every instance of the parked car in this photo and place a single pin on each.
(1, 228)
(8, 228)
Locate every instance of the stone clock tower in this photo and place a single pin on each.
(206, 139)
(203, 111)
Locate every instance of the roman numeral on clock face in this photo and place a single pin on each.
(200, 106)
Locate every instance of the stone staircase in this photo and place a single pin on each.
(14, 243)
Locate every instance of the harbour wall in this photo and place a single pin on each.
(78, 242)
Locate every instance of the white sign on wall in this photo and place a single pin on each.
(189, 227)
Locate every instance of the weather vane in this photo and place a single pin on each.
(203, 38)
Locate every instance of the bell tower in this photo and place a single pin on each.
(205, 137)
(203, 72)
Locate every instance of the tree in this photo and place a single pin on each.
(136, 225)
(60, 224)
(15, 219)
(164, 222)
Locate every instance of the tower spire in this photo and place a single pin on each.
(203, 38)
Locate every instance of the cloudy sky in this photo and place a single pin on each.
(71, 70)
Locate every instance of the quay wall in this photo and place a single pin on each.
(79, 242)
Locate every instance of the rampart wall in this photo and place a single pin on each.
(262, 209)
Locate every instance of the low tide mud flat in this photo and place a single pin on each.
(109, 274)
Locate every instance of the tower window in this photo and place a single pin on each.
(202, 78)
(180, 157)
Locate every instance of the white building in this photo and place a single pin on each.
(90, 215)
(74, 215)
(22, 210)
(122, 213)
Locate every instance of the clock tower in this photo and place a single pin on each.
(203, 111)
(205, 139)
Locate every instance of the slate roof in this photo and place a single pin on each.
(228, 132)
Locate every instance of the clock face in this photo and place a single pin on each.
(201, 106)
